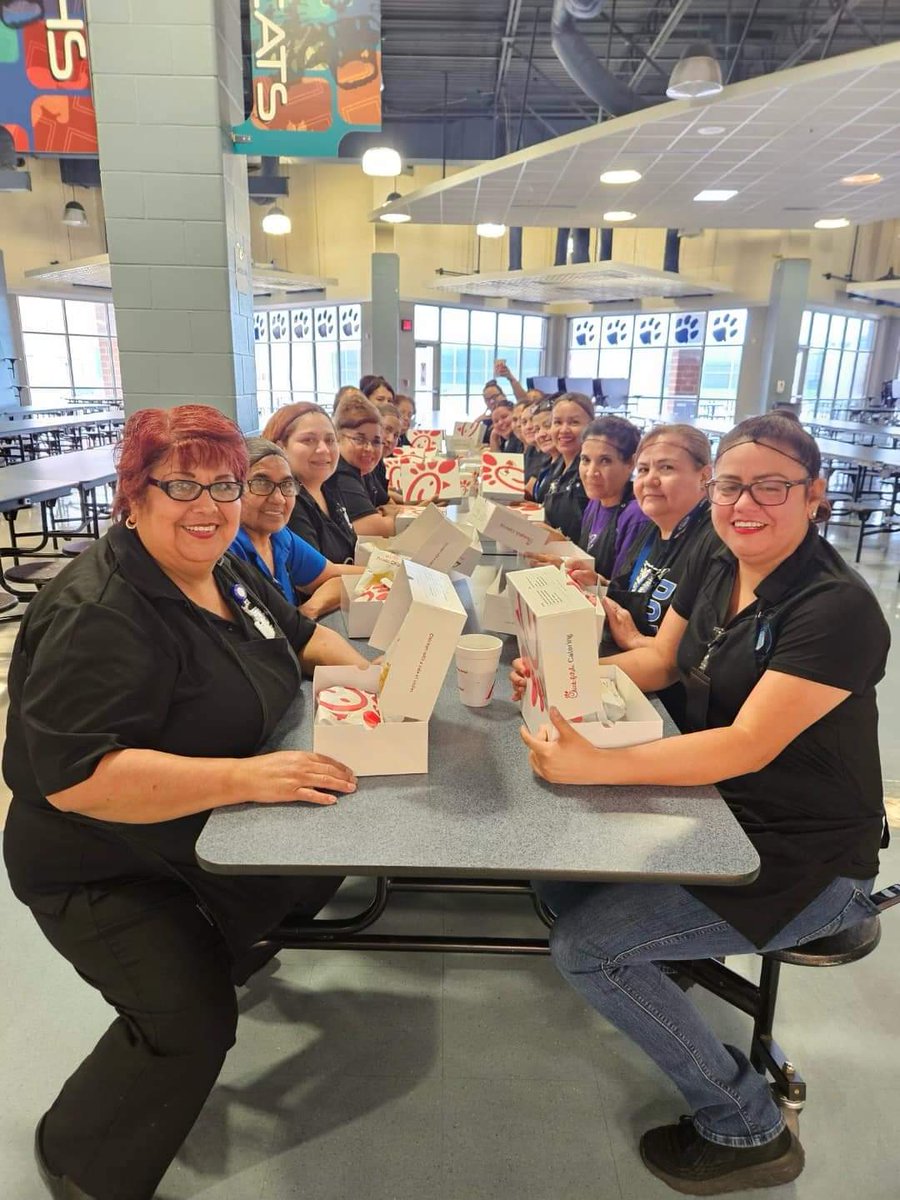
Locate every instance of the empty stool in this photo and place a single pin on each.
(7, 601)
(76, 546)
(36, 573)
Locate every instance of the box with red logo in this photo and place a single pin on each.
(502, 476)
(506, 526)
(557, 634)
(394, 465)
(431, 540)
(363, 596)
(418, 628)
(429, 440)
(427, 480)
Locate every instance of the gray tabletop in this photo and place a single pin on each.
(863, 456)
(36, 425)
(481, 812)
(857, 428)
(46, 478)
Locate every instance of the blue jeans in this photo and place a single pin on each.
(608, 940)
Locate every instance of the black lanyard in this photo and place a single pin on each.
(698, 684)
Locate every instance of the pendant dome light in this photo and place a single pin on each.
(276, 222)
(698, 74)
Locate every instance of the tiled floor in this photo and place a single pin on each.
(397, 1077)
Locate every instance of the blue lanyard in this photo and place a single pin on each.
(642, 557)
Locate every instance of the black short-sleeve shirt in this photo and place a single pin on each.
(816, 811)
(112, 656)
(377, 483)
(355, 492)
(331, 533)
(565, 499)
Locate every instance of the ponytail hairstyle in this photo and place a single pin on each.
(785, 434)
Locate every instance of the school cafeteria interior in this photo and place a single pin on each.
(683, 213)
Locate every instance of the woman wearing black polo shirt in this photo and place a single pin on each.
(143, 682)
(305, 433)
(780, 645)
(358, 425)
(564, 497)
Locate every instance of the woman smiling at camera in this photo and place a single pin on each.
(564, 497)
(360, 441)
(780, 645)
(263, 539)
(144, 683)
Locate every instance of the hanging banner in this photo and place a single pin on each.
(316, 76)
(45, 81)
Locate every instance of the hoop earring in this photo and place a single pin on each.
(130, 522)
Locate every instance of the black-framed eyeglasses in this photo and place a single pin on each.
(259, 485)
(362, 442)
(224, 491)
(768, 493)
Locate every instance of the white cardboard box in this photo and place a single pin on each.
(429, 479)
(360, 615)
(431, 540)
(556, 628)
(641, 723)
(406, 517)
(502, 476)
(497, 615)
(506, 526)
(392, 748)
(428, 440)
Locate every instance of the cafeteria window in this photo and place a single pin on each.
(305, 354)
(456, 349)
(678, 365)
(71, 350)
(832, 368)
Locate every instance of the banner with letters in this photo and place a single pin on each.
(45, 82)
(316, 76)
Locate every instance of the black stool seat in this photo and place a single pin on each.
(76, 546)
(37, 573)
(7, 601)
(848, 946)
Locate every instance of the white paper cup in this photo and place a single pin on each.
(477, 659)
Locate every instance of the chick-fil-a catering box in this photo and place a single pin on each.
(428, 440)
(502, 476)
(363, 596)
(506, 526)
(429, 479)
(556, 627)
(431, 540)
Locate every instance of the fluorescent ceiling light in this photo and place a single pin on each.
(489, 230)
(861, 180)
(381, 161)
(276, 222)
(698, 74)
(712, 195)
(623, 176)
(617, 215)
(394, 218)
(832, 223)
(711, 130)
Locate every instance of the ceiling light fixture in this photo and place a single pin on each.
(394, 218)
(619, 215)
(74, 215)
(276, 222)
(697, 74)
(619, 177)
(861, 180)
(832, 223)
(381, 161)
(489, 230)
(714, 195)
(711, 130)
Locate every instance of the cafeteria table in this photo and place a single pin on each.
(858, 429)
(25, 439)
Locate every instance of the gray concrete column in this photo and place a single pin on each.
(787, 299)
(8, 375)
(749, 401)
(167, 89)
(386, 316)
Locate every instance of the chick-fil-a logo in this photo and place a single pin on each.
(425, 480)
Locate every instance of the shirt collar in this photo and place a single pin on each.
(139, 567)
(787, 574)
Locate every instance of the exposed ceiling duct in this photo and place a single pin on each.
(574, 52)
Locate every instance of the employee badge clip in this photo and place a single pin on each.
(253, 611)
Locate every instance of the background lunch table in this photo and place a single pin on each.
(481, 812)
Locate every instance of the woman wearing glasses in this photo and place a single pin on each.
(142, 685)
(360, 440)
(306, 434)
(780, 645)
(264, 540)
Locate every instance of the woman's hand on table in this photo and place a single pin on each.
(325, 599)
(518, 677)
(285, 776)
(568, 758)
(620, 624)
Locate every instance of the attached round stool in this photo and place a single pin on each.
(36, 573)
(848, 946)
(76, 546)
(7, 601)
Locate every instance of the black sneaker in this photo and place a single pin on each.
(59, 1187)
(691, 1164)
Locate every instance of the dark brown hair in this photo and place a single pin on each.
(691, 440)
(785, 434)
(371, 383)
(279, 426)
(355, 410)
(618, 432)
(579, 398)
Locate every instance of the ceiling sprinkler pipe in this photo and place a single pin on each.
(561, 257)
(574, 52)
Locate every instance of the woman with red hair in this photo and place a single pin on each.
(143, 683)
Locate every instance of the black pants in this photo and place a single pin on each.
(149, 950)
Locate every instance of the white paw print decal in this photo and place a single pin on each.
(260, 326)
(278, 326)
(325, 323)
(687, 329)
(350, 321)
(650, 331)
(301, 324)
(586, 332)
(617, 331)
(726, 327)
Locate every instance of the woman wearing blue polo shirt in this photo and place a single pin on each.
(276, 551)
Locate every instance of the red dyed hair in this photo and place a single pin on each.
(195, 434)
(279, 425)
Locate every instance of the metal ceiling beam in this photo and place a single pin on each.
(825, 30)
(668, 28)
(638, 50)
(513, 13)
(738, 50)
